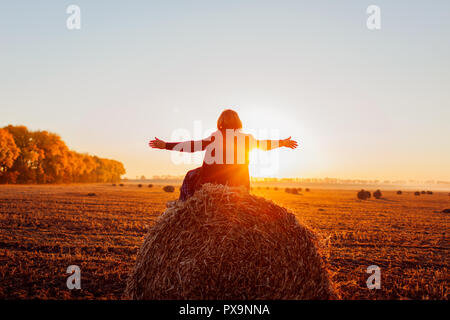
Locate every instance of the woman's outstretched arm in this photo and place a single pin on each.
(185, 146)
(273, 144)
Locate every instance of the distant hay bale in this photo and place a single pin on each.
(306, 189)
(299, 189)
(139, 185)
(363, 194)
(429, 192)
(91, 194)
(150, 185)
(417, 193)
(423, 192)
(399, 192)
(292, 191)
(223, 243)
(121, 184)
(446, 211)
(377, 194)
(113, 184)
(276, 188)
(169, 188)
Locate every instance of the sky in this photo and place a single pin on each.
(363, 104)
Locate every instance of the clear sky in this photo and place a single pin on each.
(363, 104)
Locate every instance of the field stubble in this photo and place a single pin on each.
(44, 229)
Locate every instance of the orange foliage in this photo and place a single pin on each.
(42, 157)
(8, 150)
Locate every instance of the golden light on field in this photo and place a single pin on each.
(397, 230)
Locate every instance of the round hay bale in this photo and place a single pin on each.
(121, 184)
(287, 190)
(113, 184)
(169, 188)
(363, 194)
(294, 191)
(91, 194)
(377, 194)
(150, 185)
(299, 189)
(429, 192)
(423, 192)
(446, 211)
(307, 189)
(399, 192)
(223, 243)
(417, 193)
(368, 194)
(139, 185)
(276, 188)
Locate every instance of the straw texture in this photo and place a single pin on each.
(223, 243)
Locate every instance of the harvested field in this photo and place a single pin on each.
(44, 229)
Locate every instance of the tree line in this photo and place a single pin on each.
(42, 157)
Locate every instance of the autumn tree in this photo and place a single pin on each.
(8, 154)
(43, 157)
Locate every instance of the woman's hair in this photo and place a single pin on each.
(229, 119)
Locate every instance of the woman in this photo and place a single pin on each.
(227, 154)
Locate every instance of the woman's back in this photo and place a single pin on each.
(227, 158)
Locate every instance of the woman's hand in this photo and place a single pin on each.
(288, 143)
(157, 144)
